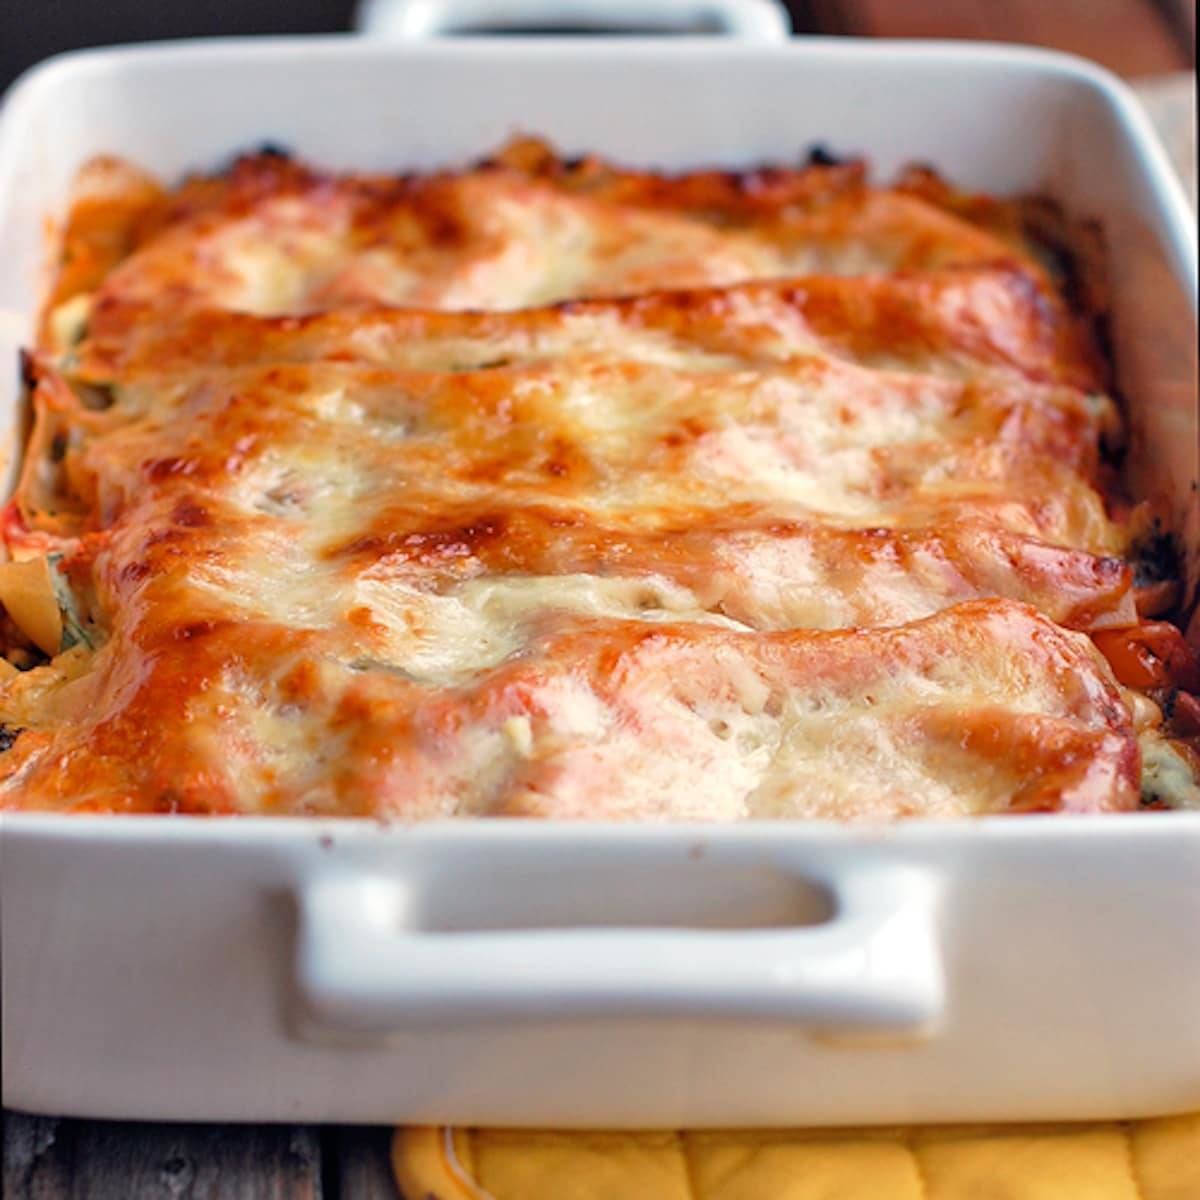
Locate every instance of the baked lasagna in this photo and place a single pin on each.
(549, 488)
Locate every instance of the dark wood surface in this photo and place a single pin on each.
(46, 1158)
(51, 1159)
(360, 1165)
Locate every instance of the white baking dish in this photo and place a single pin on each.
(517, 973)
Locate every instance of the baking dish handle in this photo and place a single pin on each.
(758, 20)
(873, 968)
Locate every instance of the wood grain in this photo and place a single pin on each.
(50, 1159)
(1131, 37)
(361, 1157)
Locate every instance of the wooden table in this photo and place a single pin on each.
(46, 1158)
(50, 1159)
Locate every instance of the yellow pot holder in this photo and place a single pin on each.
(1141, 1160)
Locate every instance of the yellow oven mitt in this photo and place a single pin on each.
(1141, 1160)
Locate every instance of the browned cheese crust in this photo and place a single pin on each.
(550, 488)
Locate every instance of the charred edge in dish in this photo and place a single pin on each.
(1077, 255)
(1156, 556)
(267, 149)
(819, 155)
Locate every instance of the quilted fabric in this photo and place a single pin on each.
(1146, 1160)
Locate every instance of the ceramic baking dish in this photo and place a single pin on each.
(573, 975)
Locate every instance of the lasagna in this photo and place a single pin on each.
(549, 488)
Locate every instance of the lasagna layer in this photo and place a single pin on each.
(546, 488)
(270, 236)
(963, 323)
(580, 712)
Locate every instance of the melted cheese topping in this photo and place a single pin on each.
(959, 323)
(782, 514)
(273, 237)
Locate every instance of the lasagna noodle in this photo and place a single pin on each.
(957, 323)
(627, 438)
(984, 707)
(714, 538)
(271, 236)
